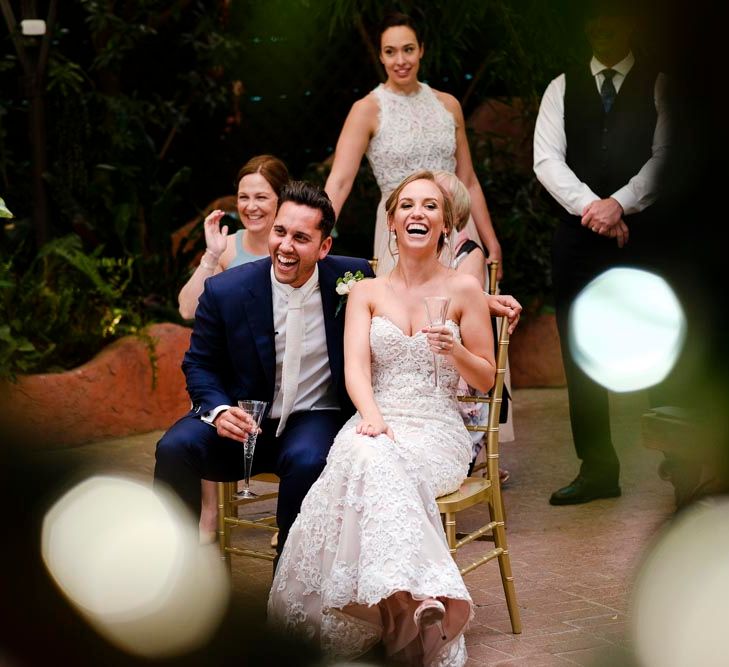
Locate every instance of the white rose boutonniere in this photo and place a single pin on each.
(344, 286)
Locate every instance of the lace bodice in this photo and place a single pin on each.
(402, 366)
(415, 132)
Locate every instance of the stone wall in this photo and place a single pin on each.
(535, 359)
(111, 395)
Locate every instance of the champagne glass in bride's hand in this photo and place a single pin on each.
(255, 409)
(436, 309)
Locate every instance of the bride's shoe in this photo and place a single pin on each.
(430, 612)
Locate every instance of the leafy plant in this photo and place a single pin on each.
(65, 307)
(133, 90)
(524, 218)
(4, 210)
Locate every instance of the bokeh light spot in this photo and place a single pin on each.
(627, 329)
(128, 559)
(680, 601)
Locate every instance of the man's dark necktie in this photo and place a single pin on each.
(607, 90)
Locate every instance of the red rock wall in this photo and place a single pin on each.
(111, 395)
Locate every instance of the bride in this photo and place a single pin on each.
(366, 560)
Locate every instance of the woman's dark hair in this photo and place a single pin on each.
(268, 166)
(306, 194)
(394, 19)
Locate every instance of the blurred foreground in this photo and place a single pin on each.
(573, 566)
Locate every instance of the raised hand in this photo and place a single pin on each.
(215, 237)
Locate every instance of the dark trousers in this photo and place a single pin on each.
(578, 256)
(191, 450)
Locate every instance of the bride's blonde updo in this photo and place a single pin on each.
(425, 175)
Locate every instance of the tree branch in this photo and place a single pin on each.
(46, 42)
(15, 36)
(372, 52)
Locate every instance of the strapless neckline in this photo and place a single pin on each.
(411, 336)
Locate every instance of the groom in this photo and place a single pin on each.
(267, 331)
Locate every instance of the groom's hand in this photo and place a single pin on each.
(505, 305)
(234, 423)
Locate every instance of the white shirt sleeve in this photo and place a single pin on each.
(640, 191)
(209, 417)
(550, 152)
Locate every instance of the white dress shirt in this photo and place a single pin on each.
(315, 391)
(550, 147)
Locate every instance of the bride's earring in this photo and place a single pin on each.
(392, 243)
(446, 248)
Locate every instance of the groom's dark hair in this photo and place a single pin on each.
(306, 194)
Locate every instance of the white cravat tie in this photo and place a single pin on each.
(292, 355)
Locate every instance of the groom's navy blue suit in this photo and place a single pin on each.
(232, 356)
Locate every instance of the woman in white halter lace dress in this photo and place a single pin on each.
(366, 560)
(404, 126)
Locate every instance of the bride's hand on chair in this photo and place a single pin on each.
(374, 428)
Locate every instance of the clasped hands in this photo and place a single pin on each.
(605, 217)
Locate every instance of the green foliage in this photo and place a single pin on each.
(355, 229)
(502, 47)
(64, 307)
(151, 107)
(524, 220)
(132, 92)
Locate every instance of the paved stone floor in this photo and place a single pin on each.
(573, 566)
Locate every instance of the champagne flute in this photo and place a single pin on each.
(255, 409)
(436, 309)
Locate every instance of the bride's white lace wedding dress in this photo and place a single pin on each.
(368, 544)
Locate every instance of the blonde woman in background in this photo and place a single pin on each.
(466, 256)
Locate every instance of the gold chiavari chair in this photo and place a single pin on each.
(492, 290)
(228, 506)
(228, 519)
(486, 490)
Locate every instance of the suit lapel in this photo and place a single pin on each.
(259, 310)
(334, 326)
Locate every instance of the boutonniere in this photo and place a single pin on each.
(344, 286)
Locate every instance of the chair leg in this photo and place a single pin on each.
(225, 496)
(450, 531)
(507, 578)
